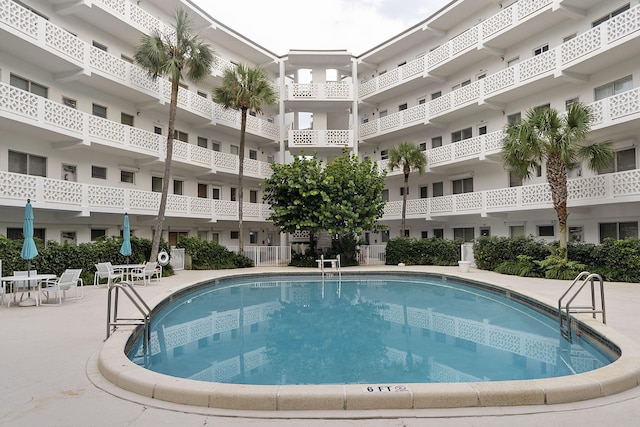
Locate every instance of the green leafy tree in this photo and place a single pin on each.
(408, 156)
(246, 89)
(294, 192)
(178, 55)
(557, 141)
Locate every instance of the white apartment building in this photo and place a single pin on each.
(82, 125)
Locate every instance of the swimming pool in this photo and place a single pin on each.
(152, 388)
(383, 329)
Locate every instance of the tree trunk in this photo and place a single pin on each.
(557, 179)
(404, 201)
(155, 245)
(243, 129)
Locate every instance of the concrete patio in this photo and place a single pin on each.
(50, 374)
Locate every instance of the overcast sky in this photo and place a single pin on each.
(354, 25)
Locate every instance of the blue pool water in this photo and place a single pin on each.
(366, 329)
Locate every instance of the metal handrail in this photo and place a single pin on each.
(562, 316)
(113, 321)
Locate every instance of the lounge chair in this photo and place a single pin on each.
(146, 273)
(67, 281)
(104, 270)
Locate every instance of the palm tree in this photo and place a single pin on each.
(548, 137)
(408, 156)
(244, 88)
(177, 55)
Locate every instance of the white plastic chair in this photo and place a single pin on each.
(67, 281)
(104, 270)
(146, 273)
(25, 285)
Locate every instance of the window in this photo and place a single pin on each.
(126, 119)
(234, 235)
(513, 61)
(438, 189)
(233, 194)
(618, 230)
(438, 233)
(436, 95)
(365, 120)
(623, 160)
(402, 191)
(514, 118)
(569, 37)
(514, 180)
(156, 184)
(569, 102)
(29, 86)
(422, 101)
(546, 231)
(253, 237)
(127, 177)
(385, 195)
(482, 130)
(99, 46)
(516, 231)
(202, 191)
(99, 110)
(384, 154)
(466, 234)
(271, 159)
(157, 130)
(424, 192)
(461, 84)
(610, 15)
(27, 164)
(424, 234)
(253, 196)
(436, 141)
(253, 154)
(215, 193)
(98, 172)
(540, 50)
(402, 107)
(384, 236)
(621, 85)
(215, 146)
(461, 135)
(407, 233)
(464, 185)
(180, 135)
(234, 150)
(16, 233)
(423, 146)
(203, 142)
(383, 113)
(485, 231)
(576, 234)
(178, 187)
(96, 233)
(72, 103)
(202, 94)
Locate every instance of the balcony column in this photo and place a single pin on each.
(354, 117)
(281, 116)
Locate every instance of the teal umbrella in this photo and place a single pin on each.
(29, 250)
(125, 249)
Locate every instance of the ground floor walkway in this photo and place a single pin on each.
(49, 374)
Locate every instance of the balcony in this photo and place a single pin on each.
(498, 32)
(621, 187)
(88, 198)
(70, 59)
(330, 91)
(25, 111)
(320, 138)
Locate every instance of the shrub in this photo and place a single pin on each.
(556, 267)
(307, 259)
(524, 266)
(210, 255)
(432, 251)
(489, 252)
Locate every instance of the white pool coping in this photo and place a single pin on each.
(621, 375)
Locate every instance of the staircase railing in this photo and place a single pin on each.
(113, 320)
(564, 311)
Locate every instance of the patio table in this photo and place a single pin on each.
(33, 285)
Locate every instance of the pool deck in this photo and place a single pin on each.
(50, 374)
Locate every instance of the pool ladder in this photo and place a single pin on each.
(565, 310)
(113, 320)
(335, 266)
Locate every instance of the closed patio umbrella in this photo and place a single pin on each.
(125, 249)
(29, 250)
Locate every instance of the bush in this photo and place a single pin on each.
(490, 252)
(210, 255)
(307, 259)
(432, 251)
(524, 266)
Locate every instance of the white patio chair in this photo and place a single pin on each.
(146, 273)
(24, 285)
(67, 281)
(104, 270)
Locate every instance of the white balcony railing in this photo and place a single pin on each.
(599, 38)
(320, 138)
(75, 196)
(320, 91)
(52, 38)
(19, 105)
(595, 190)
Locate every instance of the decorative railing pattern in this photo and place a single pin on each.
(39, 111)
(55, 39)
(320, 138)
(320, 91)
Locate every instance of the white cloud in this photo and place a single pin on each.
(355, 25)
